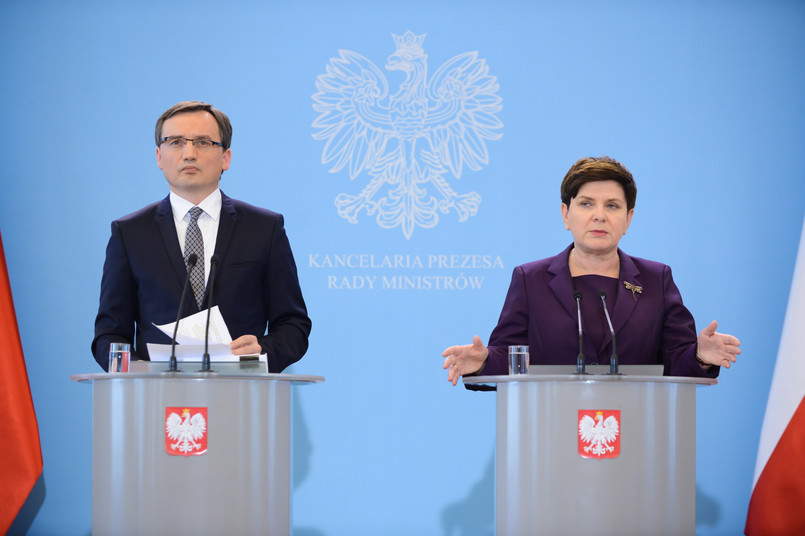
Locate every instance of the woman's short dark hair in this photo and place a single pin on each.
(224, 126)
(598, 169)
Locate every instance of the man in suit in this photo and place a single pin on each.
(651, 324)
(256, 285)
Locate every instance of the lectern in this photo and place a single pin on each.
(224, 467)
(558, 472)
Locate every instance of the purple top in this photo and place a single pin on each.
(593, 320)
(652, 325)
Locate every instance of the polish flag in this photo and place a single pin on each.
(777, 505)
(20, 453)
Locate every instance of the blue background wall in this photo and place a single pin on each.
(701, 100)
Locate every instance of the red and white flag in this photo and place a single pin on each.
(20, 453)
(777, 505)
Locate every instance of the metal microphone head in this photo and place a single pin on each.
(577, 295)
(192, 259)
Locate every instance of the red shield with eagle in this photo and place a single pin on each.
(599, 433)
(186, 431)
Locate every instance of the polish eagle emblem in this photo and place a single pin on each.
(186, 431)
(408, 141)
(599, 433)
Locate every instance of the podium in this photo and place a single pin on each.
(241, 484)
(545, 486)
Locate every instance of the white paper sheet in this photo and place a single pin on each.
(190, 339)
(191, 329)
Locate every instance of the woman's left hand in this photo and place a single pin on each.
(717, 348)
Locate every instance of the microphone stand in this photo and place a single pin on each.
(192, 259)
(205, 360)
(580, 364)
(613, 361)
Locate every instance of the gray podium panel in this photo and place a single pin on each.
(240, 485)
(543, 484)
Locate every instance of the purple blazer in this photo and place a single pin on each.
(654, 328)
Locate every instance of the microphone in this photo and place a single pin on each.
(613, 361)
(192, 259)
(580, 359)
(205, 360)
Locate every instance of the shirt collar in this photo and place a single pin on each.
(211, 205)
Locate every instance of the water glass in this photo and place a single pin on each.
(119, 355)
(518, 359)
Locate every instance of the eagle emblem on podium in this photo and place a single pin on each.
(186, 431)
(409, 140)
(599, 433)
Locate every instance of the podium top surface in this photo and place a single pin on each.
(626, 378)
(102, 376)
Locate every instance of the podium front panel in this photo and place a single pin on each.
(240, 485)
(545, 486)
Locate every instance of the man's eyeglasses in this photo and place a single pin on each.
(177, 143)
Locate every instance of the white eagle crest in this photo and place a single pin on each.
(407, 141)
(185, 430)
(599, 433)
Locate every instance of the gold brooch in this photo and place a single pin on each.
(634, 288)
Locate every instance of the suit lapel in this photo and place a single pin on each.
(562, 284)
(226, 227)
(625, 302)
(167, 230)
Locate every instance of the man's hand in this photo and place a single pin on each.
(245, 345)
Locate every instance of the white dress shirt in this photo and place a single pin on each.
(207, 222)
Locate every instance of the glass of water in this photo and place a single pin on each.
(518, 359)
(119, 355)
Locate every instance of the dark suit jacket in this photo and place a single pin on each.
(540, 311)
(256, 283)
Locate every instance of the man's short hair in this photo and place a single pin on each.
(224, 126)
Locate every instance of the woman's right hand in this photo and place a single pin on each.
(460, 360)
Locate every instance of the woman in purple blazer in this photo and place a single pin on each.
(651, 324)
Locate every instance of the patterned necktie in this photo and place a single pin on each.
(193, 243)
